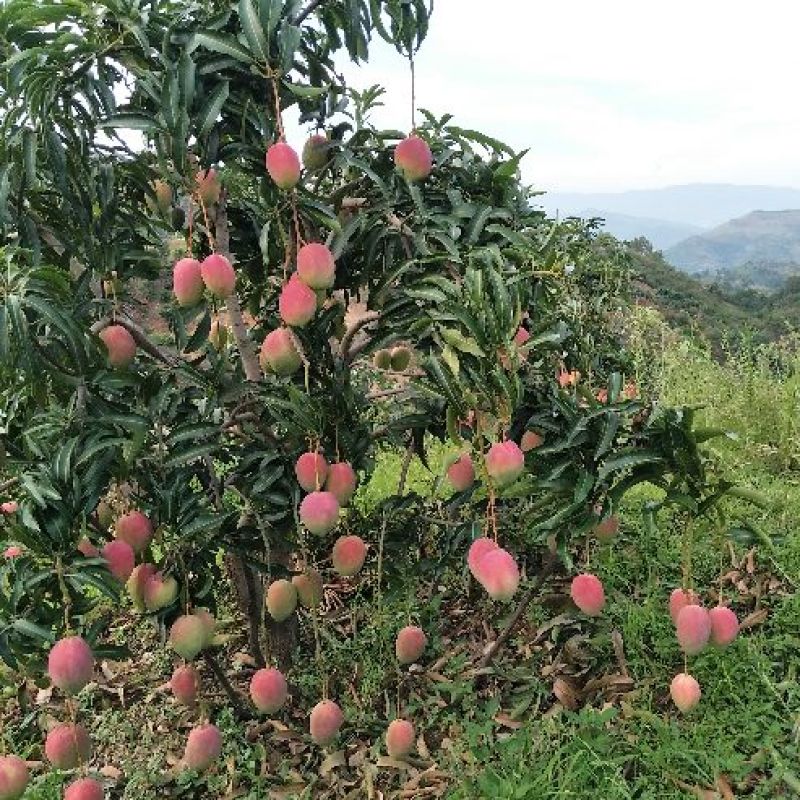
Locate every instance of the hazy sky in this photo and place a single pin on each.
(617, 94)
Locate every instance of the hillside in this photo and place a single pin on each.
(713, 311)
(703, 205)
(771, 237)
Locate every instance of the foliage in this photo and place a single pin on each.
(193, 433)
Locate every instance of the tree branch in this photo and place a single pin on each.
(234, 696)
(250, 365)
(139, 336)
(347, 339)
(548, 565)
(307, 11)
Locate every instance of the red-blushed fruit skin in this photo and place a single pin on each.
(159, 591)
(311, 470)
(279, 353)
(187, 636)
(461, 473)
(588, 594)
(136, 583)
(693, 629)
(477, 550)
(67, 746)
(319, 512)
(315, 152)
(84, 789)
(135, 529)
(88, 549)
(348, 556)
(685, 692)
(341, 482)
(521, 336)
(724, 626)
(530, 441)
(505, 462)
(607, 529)
(414, 158)
(120, 345)
(678, 600)
(309, 587)
(281, 599)
(324, 722)
(218, 275)
(209, 624)
(14, 777)
(315, 266)
(399, 738)
(203, 747)
(9, 507)
(283, 165)
(297, 303)
(498, 573)
(185, 684)
(268, 690)
(12, 552)
(410, 644)
(70, 664)
(208, 186)
(187, 282)
(121, 559)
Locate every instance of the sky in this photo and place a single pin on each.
(613, 95)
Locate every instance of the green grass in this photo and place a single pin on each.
(746, 728)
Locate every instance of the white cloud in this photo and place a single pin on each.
(613, 95)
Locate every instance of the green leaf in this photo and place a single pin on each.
(207, 117)
(456, 339)
(131, 121)
(222, 43)
(306, 92)
(288, 42)
(32, 630)
(627, 461)
(254, 33)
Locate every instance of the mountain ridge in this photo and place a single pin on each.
(703, 205)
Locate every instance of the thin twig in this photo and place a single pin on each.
(547, 567)
(8, 484)
(388, 393)
(139, 336)
(401, 484)
(234, 696)
(307, 11)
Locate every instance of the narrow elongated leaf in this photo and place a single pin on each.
(222, 43)
(251, 25)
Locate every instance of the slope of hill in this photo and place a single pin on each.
(701, 204)
(686, 303)
(661, 232)
(771, 237)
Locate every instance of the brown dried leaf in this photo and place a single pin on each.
(567, 694)
(756, 618)
(333, 761)
(507, 721)
(110, 771)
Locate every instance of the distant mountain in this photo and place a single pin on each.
(703, 205)
(760, 237)
(661, 233)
